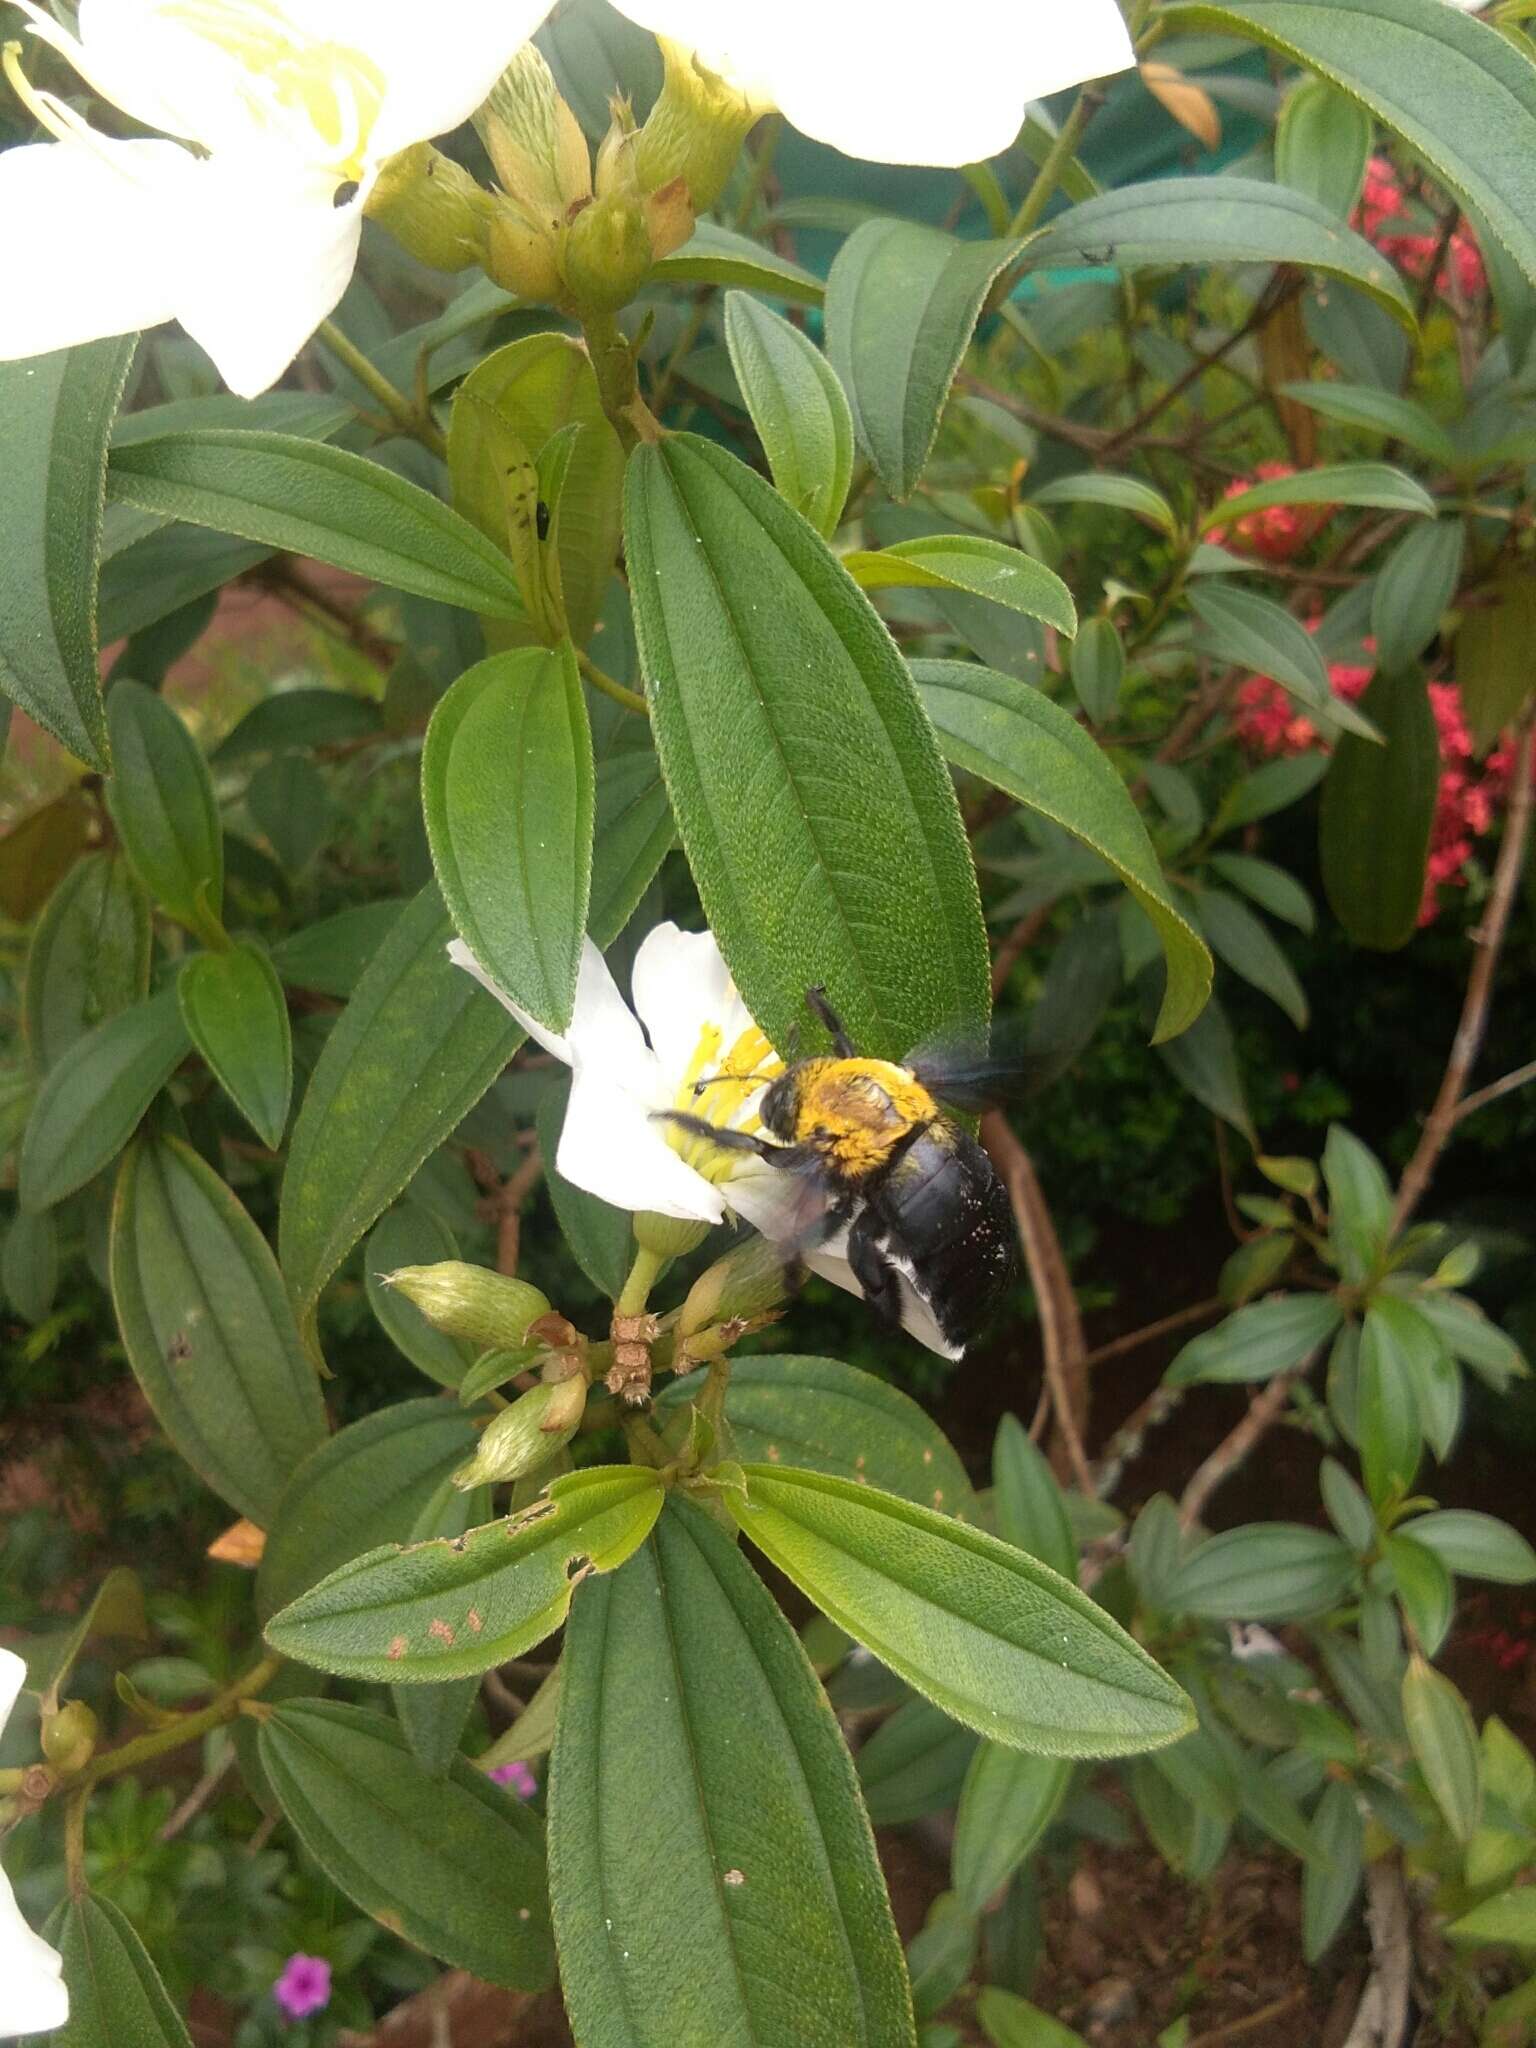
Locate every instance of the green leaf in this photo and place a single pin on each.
(940, 1957)
(236, 1015)
(451, 1608)
(299, 718)
(1121, 493)
(1377, 809)
(797, 407)
(967, 561)
(1378, 412)
(1412, 588)
(1027, 1502)
(1506, 1921)
(824, 1416)
(1425, 1589)
(115, 1610)
(1237, 937)
(163, 806)
(1203, 1059)
(58, 410)
(1322, 145)
(368, 1485)
(1012, 2022)
(208, 1329)
(633, 834)
(1098, 668)
(1493, 646)
(330, 956)
(1254, 632)
(1359, 1204)
(29, 1263)
(1472, 1338)
(411, 1235)
(1476, 1545)
(414, 1050)
(1265, 1571)
(1006, 1804)
(1348, 1509)
(1226, 220)
(995, 1638)
(1460, 95)
(1274, 787)
(684, 1658)
(507, 789)
(290, 801)
(717, 255)
(323, 502)
(1341, 483)
(914, 1763)
(1258, 1341)
(1331, 1875)
(89, 956)
(600, 1237)
(1019, 740)
(1272, 888)
(116, 1997)
(819, 821)
(92, 1099)
(450, 1863)
(902, 300)
(1443, 1738)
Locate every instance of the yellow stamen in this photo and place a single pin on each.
(715, 1089)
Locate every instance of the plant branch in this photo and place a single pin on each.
(128, 1756)
(1017, 942)
(1281, 289)
(1197, 1312)
(1481, 1097)
(601, 680)
(1488, 939)
(1264, 1410)
(407, 416)
(1043, 185)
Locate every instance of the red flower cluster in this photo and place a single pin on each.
(1382, 218)
(1276, 533)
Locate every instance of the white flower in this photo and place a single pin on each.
(898, 81)
(33, 1999)
(249, 237)
(692, 1026)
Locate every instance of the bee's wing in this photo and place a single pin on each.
(971, 1072)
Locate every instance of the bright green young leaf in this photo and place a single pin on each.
(797, 407)
(58, 410)
(1412, 589)
(1377, 809)
(1098, 668)
(1264, 1571)
(414, 1050)
(1425, 1590)
(968, 561)
(995, 1638)
(92, 1099)
(452, 1863)
(1322, 145)
(1236, 936)
(1444, 1741)
(1273, 889)
(824, 1416)
(819, 821)
(1009, 2021)
(1332, 1873)
(1493, 654)
(1343, 483)
(766, 1919)
(368, 1485)
(1122, 493)
(412, 1235)
(1006, 1804)
(89, 956)
(163, 806)
(116, 1996)
(1019, 740)
(208, 1329)
(1507, 1920)
(1378, 412)
(1478, 1546)
(902, 300)
(1258, 1341)
(318, 501)
(914, 1764)
(447, 1609)
(236, 1015)
(1462, 97)
(718, 255)
(1226, 220)
(1027, 1502)
(507, 789)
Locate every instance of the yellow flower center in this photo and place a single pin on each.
(715, 1089)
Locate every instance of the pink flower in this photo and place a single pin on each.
(518, 1776)
(1381, 196)
(304, 1987)
(1277, 532)
(1383, 204)
(1268, 723)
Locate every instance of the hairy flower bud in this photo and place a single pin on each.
(607, 253)
(747, 1283)
(535, 142)
(523, 260)
(432, 207)
(695, 130)
(485, 1308)
(527, 1434)
(69, 1737)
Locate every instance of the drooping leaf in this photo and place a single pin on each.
(797, 407)
(1203, 1059)
(89, 956)
(1378, 807)
(769, 1855)
(1339, 483)
(116, 1996)
(970, 562)
(1254, 632)
(93, 1097)
(1237, 937)
(163, 806)
(1006, 1804)
(236, 1015)
(821, 826)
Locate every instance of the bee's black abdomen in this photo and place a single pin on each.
(947, 1222)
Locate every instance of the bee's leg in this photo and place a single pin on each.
(816, 1002)
(873, 1271)
(724, 1140)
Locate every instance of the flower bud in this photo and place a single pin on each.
(669, 218)
(745, 1284)
(535, 142)
(432, 207)
(527, 1434)
(69, 1737)
(695, 130)
(486, 1309)
(607, 253)
(522, 260)
(668, 1237)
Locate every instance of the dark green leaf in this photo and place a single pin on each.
(1493, 654)
(1377, 809)
(1332, 1873)
(1270, 887)
(718, 255)
(1473, 1338)
(116, 1997)
(163, 806)
(914, 1763)
(684, 1658)
(330, 956)
(1413, 587)
(29, 1263)
(1254, 632)
(208, 1329)
(92, 1099)
(633, 834)
(236, 1015)
(1478, 1546)
(1378, 412)
(1274, 787)
(1348, 1509)
(1098, 668)
(1006, 1804)
(1266, 1571)
(1425, 1589)
(1012, 2022)
(1203, 1059)
(1027, 1501)
(1237, 937)
(290, 802)
(1359, 1203)
(1322, 144)
(299, 718)
(89, 956)
(1258, 1341)
(797, 407)
(1340, 483)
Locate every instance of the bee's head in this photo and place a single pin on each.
(780, 1104)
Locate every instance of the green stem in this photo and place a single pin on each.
(1057, 157)
(190, 1728)
(407, 416)
(601, 680)
(74, 1842)
(642, 1278)
(613, 364)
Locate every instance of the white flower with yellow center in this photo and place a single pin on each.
(248, 236)
(690, 1044)
(898, 81)
(33, 1999)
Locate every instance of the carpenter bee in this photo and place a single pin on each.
(915, 1192)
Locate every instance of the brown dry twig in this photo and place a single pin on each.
(504, 1201)
(1264, 1410)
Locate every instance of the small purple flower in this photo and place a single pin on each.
(518, 1776)
(304, 1987)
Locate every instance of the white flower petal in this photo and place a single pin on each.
(438, 66)
(610, 1147)
(13, 1672)
(270, 260)
(86, 229)
(33, 1999)
(551, 1041)
(148, 65)
(681, 984)
(831, 1262)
